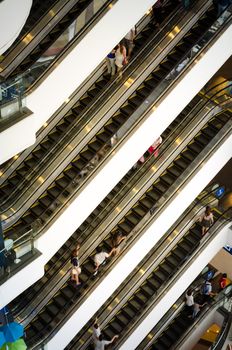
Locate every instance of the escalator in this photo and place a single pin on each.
(138, 295)
(178, 327)
(53, 142)
(105, 208)
(66, 16)
(68, 297)
(67, 180)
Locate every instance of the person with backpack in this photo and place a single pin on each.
(207, 291)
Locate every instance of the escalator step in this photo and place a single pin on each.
(70, 118)
(147, 289)
(147, 203)
(53, 309)
(127, 109)
(45, 317)
(144, 91)
(54, 136)
(101, 83)
(23, 170)
(79, 163)
(87, 154)
(179, 253)
(129, 311)
(62, 182)
(161, 186)
(154, 282)
(85, 101)
(96, 145)
(151, 83)
(162, 276)
(116, 326)
(165, 341)
(182, 163)
(136, 100)
(94, 92)
(174, 170)
(168, 178)
(71, 173)
(111, 127)
(209, 132)
(123, 319)
(37, 210)
(188, 155)
(158, 346)
(38, 153)
(68, 292)
(154, 194)
(174, 260)
(120, 118)
(60, 301)
(171, 335)
(139, 210)
(126, 227)
(133, 219)
(167, 268)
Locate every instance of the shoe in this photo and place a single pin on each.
(95, 273)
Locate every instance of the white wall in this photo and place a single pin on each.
(13, 15)
(177, 289)
(72, 71)
(128, 154)
(223, 262)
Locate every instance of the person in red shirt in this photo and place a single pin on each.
(153, 149)
(223, 281)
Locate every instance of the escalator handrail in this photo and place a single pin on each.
(184, 70)
(110, 85)
(208, 101)
(54, 203)
(107, 305)
(202, 315)
(163, 325)
(218, 344)
(158, 98)
(62, 256)
(172, 280)
(88, 165)
(71, 301)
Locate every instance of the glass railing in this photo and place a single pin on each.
(17, 254)
(222, 300)
(221, 338)
(12, 91)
